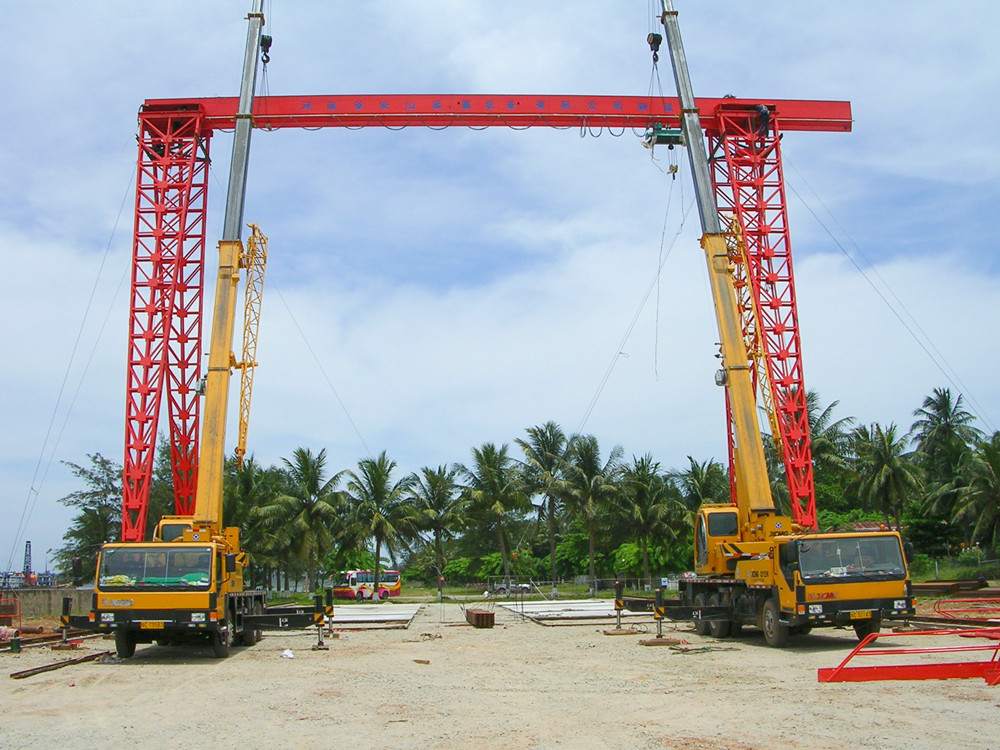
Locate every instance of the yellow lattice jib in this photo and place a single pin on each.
(750, 317)
(254, 260)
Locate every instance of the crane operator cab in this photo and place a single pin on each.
(716, 525)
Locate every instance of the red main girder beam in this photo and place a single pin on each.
(498, 110)
(169, 239)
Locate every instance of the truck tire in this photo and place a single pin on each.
(775, 631)
(222, 641)
(865, 628)
(700, 626)
(717, 628)
(124, 644)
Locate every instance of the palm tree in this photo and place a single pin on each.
(592, 487)
(829, 438)
(648, 501)
(379, 507)
(943, 433)
(436, 506)
(494, 488)
(979, 502)
(887, 476)
(702, 483)
(544, 474)
(306, 514)
(247, 489)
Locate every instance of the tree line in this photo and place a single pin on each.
(553, 506)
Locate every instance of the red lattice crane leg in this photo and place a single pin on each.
(165, 315)
(749, 182)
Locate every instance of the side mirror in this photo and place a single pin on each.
(231, 563)
(77, 571)
(909, 551)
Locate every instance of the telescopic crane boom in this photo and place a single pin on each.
(753, 565)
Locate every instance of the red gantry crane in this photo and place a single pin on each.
(165, 329)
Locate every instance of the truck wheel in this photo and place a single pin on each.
(124, 644)
(775, 631)
(249, 636)
(222, 641)
(865, 628)
(717, 628)
(700, 626)
(258, 609)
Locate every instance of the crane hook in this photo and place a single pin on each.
(265, 46)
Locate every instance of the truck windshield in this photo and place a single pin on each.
(144, 568)
(846, 557)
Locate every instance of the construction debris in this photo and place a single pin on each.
(58, 665)
(479, 618)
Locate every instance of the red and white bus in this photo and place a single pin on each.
(360, 584)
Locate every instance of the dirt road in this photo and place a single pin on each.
(519, 685)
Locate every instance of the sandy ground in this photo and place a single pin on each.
(518, 685)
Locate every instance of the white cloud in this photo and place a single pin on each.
(458, 287)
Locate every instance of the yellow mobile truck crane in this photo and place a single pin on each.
(753, 565)
(187, 584)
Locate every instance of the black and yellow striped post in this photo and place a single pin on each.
(319, 619)
(658, 611)
(67, 607)
(619, 602)
(328, 610)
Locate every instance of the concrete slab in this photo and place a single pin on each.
(374, 614)
(569, 609)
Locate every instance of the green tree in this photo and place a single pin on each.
(887, 476)
(305, 516)
(592, 487)
(648, 502)
(702, 483)
(495, 492)
(544, 474)
(379, 507)
(437, 507)
(978, 502)
(246, 490)
(99, 516)
(944, 435)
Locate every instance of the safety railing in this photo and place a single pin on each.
(921, 669)
(975, 608)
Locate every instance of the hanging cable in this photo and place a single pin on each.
(319, 364)
(619, 350)
(40, 474)
(925, 342)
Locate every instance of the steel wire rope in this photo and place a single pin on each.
(619, 351)
(940, 361)
(272, 284)
(29, 503)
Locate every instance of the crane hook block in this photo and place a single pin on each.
(265, 47)
(655, 40)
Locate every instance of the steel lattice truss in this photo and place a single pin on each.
(164, 345)
(750, 191)
(169, 241)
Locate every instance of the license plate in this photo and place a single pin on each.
(861, 614)
(151, 625)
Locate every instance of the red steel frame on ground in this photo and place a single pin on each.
(169, 242)
(922, 670)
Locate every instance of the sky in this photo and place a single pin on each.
(429, 291)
